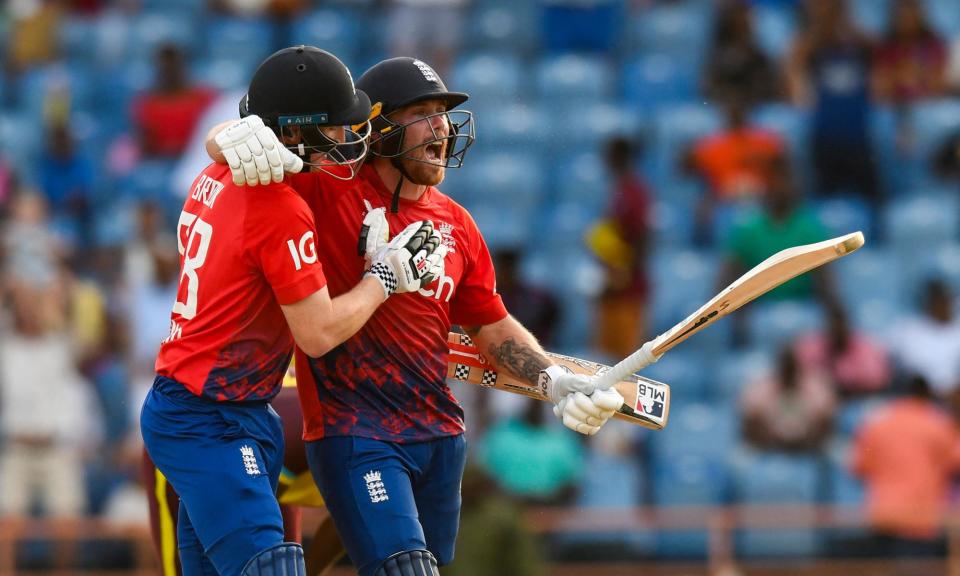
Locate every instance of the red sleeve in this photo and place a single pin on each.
(476, 302)
(281, 240)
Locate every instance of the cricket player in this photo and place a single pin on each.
(296, 490)
(384, 433)
(251, 284)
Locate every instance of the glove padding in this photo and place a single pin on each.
(413, 259)
(374, 232)
(254, 153)
(587, 414)
(559, 382)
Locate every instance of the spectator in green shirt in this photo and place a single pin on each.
(782, 222)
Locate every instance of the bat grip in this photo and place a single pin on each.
(624, 368)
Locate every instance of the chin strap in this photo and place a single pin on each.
(395, 202)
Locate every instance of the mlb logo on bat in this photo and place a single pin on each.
(650, 400)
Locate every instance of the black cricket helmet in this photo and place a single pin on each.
(302, 90)
(398, 82)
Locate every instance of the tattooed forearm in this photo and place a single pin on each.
(520, 359)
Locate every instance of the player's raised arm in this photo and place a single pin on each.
(510, 346)
(411, 260)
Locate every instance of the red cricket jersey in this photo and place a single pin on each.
(388, 381)
(243, 252)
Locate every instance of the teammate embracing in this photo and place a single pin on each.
(251, 285)
(384, 433)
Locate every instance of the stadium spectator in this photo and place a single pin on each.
(66, 178)
(737, 68)
(622, 306)
(736, 164)
(46, 412)
(165, 115)
(911, 60)
(430, 30)
(789, 410)
(928, 344)
(953, 69)
(535, 308)
(782, 222)
(493, 537)
(828, 68)
(853, 361)
(33, 34)
(546, 470)
(577, 26)
(907, 455)
(946, 161)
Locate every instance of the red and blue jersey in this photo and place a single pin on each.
(388, 381)
(244, 251)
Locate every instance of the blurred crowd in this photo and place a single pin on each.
(650, 151)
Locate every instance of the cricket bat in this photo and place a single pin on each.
(772, 272)
(646, 402)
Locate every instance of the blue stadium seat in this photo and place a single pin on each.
(672, 225)
(933, 123)
(337, 31)
(687, 480)
(775, 324)
(844, 215)
(682, 281)
(736, 370)
(245, 40)
(774, 28)
(571, 79)
(921, 221)
(683, 371)
(787, 121)
(118, 87)
(511, 125)
(778, 479)
(871, 15)
(870, 275)
(21, 140)
(944, 15)
(875, 315)
(582, 179)
(492, 77)
(151, 29)
(511, 26)
(895, 172)
(654, 80)
(505, 179)
(679, 30)
(223, 74)
(39, 84)
(941, 261)
(698, 429)
(590, 125)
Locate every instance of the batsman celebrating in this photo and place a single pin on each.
(384, 434)
(250, 286)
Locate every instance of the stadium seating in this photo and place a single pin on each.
(778, 479)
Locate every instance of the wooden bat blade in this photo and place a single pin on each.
(646, 401)
(772, 272)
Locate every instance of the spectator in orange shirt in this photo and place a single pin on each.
(907, 455)
(734, 163)
(854, 362)
(166, 115)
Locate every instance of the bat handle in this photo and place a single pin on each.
(624, 368)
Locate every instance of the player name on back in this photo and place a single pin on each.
(206, 190)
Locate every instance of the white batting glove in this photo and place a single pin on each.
(374, 232)
(559, 382)
(254, 153)
(413, 259)
(587, 414)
